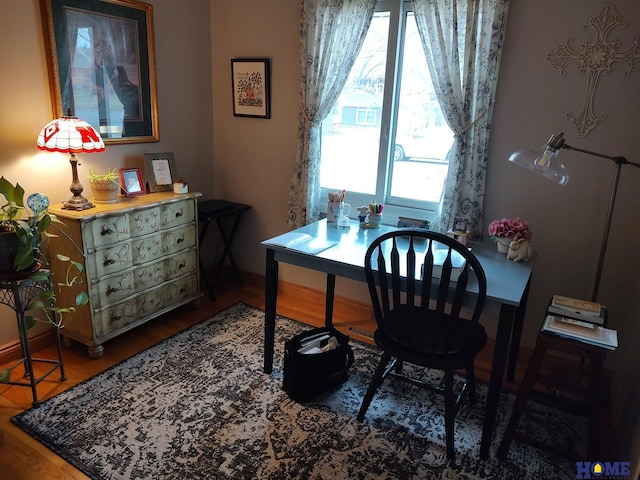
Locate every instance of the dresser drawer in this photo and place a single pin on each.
(111, 229)
(113, 288)
(137, 251)
(178, 213)
(115, 317)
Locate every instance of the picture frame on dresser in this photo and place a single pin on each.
(101, 61)
(131, 182)
(160, 171)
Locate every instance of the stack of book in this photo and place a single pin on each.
(580, 320)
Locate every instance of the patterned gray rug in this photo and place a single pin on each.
(197, 406)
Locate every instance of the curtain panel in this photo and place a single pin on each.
(332, 33)
(465, 78)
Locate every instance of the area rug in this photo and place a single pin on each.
(198, 406)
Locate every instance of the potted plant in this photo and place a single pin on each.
(505, 230)
(105, 186)
(22, 230)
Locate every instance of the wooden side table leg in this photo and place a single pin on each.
(595, 394)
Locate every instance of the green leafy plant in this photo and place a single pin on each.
(111, 175)
(26, 225)
(30, 223)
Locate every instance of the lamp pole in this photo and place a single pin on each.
(619, 161)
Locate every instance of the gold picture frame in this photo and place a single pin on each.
(102, 66)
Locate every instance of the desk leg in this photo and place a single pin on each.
(516, 335)
(505, 322)
(270, 301)
(328, 309)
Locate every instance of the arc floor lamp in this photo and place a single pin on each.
(548, 165)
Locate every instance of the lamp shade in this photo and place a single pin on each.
(545, 164)
(69, 134)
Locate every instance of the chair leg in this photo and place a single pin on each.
(376, 381)
(399, 364)
(449, 414)
(471, 384)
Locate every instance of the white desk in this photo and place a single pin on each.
(507, 285)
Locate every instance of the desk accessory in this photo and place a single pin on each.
(371, 216)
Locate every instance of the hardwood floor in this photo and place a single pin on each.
(23, 458)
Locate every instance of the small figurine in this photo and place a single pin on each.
(362, 213)
(519, 250)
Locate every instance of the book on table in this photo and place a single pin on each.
(302, 242)
(581, 310)
(593, 335)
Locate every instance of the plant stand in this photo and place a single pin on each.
(17, 291)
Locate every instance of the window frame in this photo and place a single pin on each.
(395, 207)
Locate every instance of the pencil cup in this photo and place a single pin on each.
(337, 210)
(375, 220)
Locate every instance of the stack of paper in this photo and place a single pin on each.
(599, 336)
(302, 242)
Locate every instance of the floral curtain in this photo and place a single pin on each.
(465, 77)
(332, 33)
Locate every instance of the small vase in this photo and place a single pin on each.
(503, 244)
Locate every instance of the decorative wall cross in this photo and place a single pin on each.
(596, 57)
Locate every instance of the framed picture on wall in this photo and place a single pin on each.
(131, 182)
(102, 66)
(160, 171)
(251, 84)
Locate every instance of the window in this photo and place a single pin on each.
(386, 138)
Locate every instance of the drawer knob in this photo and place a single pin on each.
(115, 318)
(111, 290)
(108, 261)
(183, 289)
(106, 230)
(180, 240)
(182, 265)
(179, 214)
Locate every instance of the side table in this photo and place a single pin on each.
(217, 211)
(17, 291)
(589, 408)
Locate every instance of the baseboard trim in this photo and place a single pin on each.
(12, 352)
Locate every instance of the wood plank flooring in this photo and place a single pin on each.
(23, 458)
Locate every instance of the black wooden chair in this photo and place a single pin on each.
(418, 306)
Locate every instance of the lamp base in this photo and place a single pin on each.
(77, 202)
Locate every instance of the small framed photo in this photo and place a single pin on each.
(131, 182)
(160, 170)
(460, 225)
(251, 83)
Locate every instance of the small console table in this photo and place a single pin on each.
(217, 211)
(17, 291)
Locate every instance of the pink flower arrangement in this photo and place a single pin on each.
(509, 228)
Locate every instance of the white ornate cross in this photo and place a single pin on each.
(596, 57)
